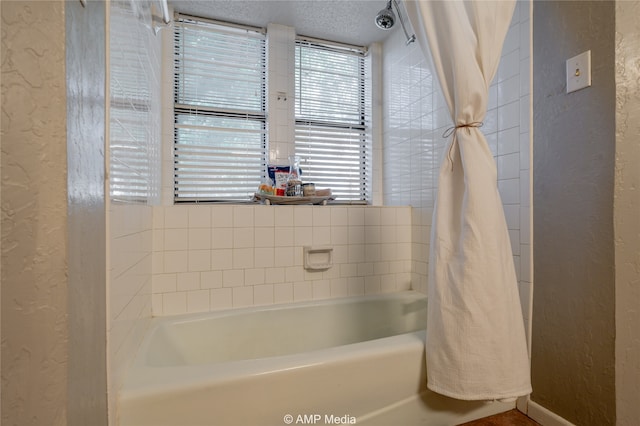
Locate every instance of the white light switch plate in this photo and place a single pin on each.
(579, 72)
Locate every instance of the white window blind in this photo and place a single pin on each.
(220, 139)
(331, 114)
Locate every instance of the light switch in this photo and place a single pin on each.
(579, 72)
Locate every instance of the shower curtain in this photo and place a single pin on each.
(475, 346)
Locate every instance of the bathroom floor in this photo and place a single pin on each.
(509, 418)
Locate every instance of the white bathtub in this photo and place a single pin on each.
(354, 360)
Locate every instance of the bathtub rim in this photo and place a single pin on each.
(143, 380)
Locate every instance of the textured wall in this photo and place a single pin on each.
(34, 244)
(86, 74)
(626, 211)
(573, 174)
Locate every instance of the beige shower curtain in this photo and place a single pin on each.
(476, 347)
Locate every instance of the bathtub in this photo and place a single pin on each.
(343, 361)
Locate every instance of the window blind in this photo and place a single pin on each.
(331, 115)
(219, 111)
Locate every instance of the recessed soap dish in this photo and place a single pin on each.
(318, 258)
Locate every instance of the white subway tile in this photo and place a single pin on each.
(176, 261)
(509, 65)
(373, 252)
(283, 292)
(198, 301)
(174, 303)
(221, 238)
(200, 238)
(372, 216)
(157, 240)
(176, 239)
(339, 216)
(321, 235)
(509, 191)
(509, 115)
(274, 275)
(264, 257)
(303, 216)
(233, 278)
(283, 215)
(242, 296)
(243, 237)
(514, 237)
(243, 258)
(356, 286)
(243, 216)
(372, 284)
(220, 298)
(294, 273)
(284, 256)
(508, 141)
(302, 291)
(221, 259)
(188, 281)
(509, 166)
(176, 217)
(264, 216)
(210, 279)
(348, 270)
(339, 287)
(156, 305)
(284, 236)
(512, 216)
(388, 283)
(321, 289)
(356, 216)
(321, 216)
(264, 237)
(254, 276)
(356, 234)
(222, 216)
(357, 253)
(157, 262)
(199, 260)
(158, 217)
(199, 216)
(263, 294)
(509, 90)
(339, 235)
(164, 283)
(303, 235)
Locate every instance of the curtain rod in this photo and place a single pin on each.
(165, 11)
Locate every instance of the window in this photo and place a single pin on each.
(219, 111)
(331, 117)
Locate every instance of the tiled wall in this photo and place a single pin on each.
(134, 53)
(415, 116)
(215, 257)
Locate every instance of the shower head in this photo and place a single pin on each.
(386, 18)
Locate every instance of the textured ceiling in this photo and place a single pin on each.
(348, 21)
